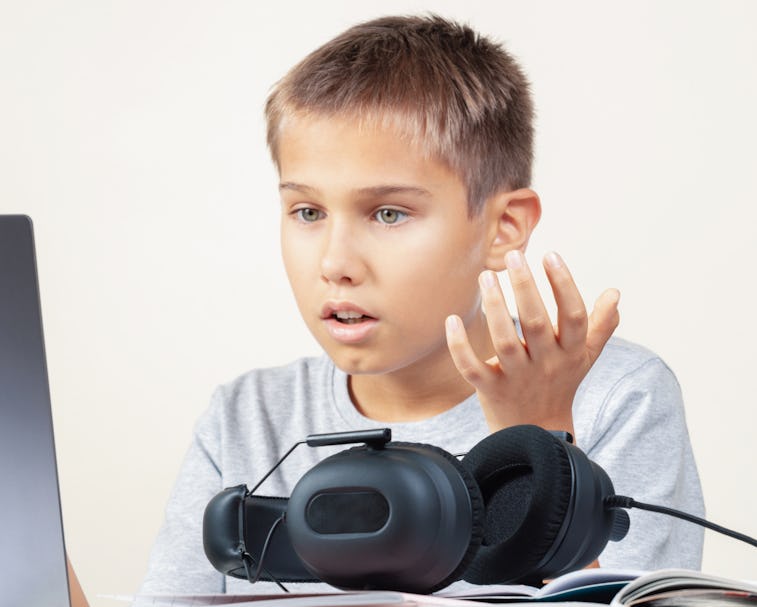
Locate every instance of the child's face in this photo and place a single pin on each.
(377, 245)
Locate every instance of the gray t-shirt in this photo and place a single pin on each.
(628, 417)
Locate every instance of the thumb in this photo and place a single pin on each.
(604, 319)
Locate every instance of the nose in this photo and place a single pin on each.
(342, 259)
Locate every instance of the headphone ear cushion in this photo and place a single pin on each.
(526, 481)
(477, 507)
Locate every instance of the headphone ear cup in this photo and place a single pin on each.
(478, 511)
(590, 524)
(526, 480)
(429, 528)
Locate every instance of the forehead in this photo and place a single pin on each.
(350, 152)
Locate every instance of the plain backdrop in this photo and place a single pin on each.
(132, 133)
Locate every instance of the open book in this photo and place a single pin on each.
(669, 588)
(618, 588)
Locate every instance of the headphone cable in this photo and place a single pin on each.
(259, 569)
(621, 501)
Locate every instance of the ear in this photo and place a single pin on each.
(511, 216)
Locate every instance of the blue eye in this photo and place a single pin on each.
(308, 215)
(390, 216)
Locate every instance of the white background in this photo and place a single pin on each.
(132, 133)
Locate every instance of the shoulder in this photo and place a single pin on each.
(256, 417)
(627, 384)
(624, 365)
(266, 398)
(622, 359)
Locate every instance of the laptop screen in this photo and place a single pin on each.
(32, 554)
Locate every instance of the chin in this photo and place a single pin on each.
(357, 361)
(358, 365)
(372, 359)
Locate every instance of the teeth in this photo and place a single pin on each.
(348, 315)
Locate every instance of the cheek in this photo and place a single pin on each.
(443, 250)
(298, 262)
(437, 272)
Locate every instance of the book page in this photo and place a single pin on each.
(672, 581)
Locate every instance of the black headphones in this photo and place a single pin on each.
(523, 505)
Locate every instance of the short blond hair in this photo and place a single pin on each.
(457, 94)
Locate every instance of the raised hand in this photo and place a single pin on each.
(533, 379)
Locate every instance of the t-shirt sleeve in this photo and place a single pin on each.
(641, 440)
(177, 562)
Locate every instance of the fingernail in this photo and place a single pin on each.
(487, 279)
(514, 260)
(554, 260)
(453, 323)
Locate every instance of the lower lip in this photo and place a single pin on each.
(350, 333)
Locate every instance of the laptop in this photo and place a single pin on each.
(32, 554)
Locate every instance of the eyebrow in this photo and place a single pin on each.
(373, 191)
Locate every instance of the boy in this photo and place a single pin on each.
(404, 149)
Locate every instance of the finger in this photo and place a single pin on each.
(572, 318)
(507, 344)
(473, 370)
(534, 318)
(604, 319)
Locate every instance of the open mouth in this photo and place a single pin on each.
(347, 323)
(350, 318)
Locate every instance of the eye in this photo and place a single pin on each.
(390, 216)
(308, 215)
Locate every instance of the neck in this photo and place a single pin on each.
(422, 390)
